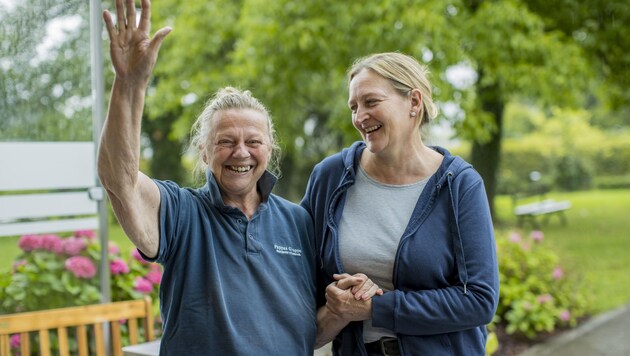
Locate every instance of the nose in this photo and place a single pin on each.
(241, 151)
(359, 116)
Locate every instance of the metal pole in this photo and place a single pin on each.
(98, 102)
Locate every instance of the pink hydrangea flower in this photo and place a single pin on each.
(537, 235)
(545, 298)
(52, 243)
(113, 249)
(118, 266)
(85, 233)
(515, 237)
(154, 275)
(565, 315)
(15, 341)
(29, 243)
(557, 273)
(136, 254)
(73, 246)
(81, 267)
(143, 285)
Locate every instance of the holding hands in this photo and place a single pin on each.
(132, 51)
(349, 297)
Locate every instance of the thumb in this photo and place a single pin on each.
(159, 36)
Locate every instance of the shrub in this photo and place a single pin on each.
(537, 295)
(612, 182)
(55, 272)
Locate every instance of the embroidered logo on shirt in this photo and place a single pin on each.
(285, 250)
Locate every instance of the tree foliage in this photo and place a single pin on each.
(45, 71)
(293, 55)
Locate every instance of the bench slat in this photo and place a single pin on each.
(46, 165)
(30, 206)
(39, 227)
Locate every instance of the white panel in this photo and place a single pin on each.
(44, 205)
(48, 226)
(46, 165)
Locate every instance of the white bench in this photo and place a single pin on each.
(48, 187)
(546, 207)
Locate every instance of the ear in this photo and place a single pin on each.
(415, 97)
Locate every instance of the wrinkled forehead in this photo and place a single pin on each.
(367, 82)
(240, 121)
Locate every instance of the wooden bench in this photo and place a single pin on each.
(545, 207)
(79, 318)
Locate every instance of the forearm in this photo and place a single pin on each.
(119, 150)
(329, 326)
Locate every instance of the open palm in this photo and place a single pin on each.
(132, 51)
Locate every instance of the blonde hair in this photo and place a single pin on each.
(405, 73)
(226, 99)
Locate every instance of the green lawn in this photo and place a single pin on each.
(595, 242)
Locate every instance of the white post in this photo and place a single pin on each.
(97, 124)
(98, 102)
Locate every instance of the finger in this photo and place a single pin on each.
(350, 282)
(157, 39)
(338, 276)
(131, 13)
(109, 24)
(120, 16)
(375, 290)
(145, 17)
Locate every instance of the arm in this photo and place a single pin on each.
(135, 198)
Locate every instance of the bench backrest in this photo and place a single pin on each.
(80, 319)
(47, 187)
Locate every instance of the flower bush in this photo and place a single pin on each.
(537, 294)
(54, 272)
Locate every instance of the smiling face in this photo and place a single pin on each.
(238, 151)
(380, 112)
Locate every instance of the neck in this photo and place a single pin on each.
(247, 204)
(405, 167)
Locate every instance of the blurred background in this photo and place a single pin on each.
(523, 86)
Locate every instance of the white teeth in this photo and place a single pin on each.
(372, 128)
(240, 169)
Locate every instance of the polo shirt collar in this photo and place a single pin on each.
(265, 185)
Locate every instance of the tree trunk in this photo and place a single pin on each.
(485, 156)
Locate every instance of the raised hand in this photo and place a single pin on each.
(132, 51)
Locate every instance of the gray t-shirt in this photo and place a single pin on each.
(373, 221)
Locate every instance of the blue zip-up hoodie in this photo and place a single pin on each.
(445, 276)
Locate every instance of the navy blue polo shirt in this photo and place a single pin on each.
(232, 286)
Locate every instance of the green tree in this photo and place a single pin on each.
(515, 57)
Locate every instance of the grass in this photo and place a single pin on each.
(595, 242)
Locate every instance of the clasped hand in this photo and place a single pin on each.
(349, 297)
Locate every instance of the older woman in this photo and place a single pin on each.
(413, 218)
(238, 261)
